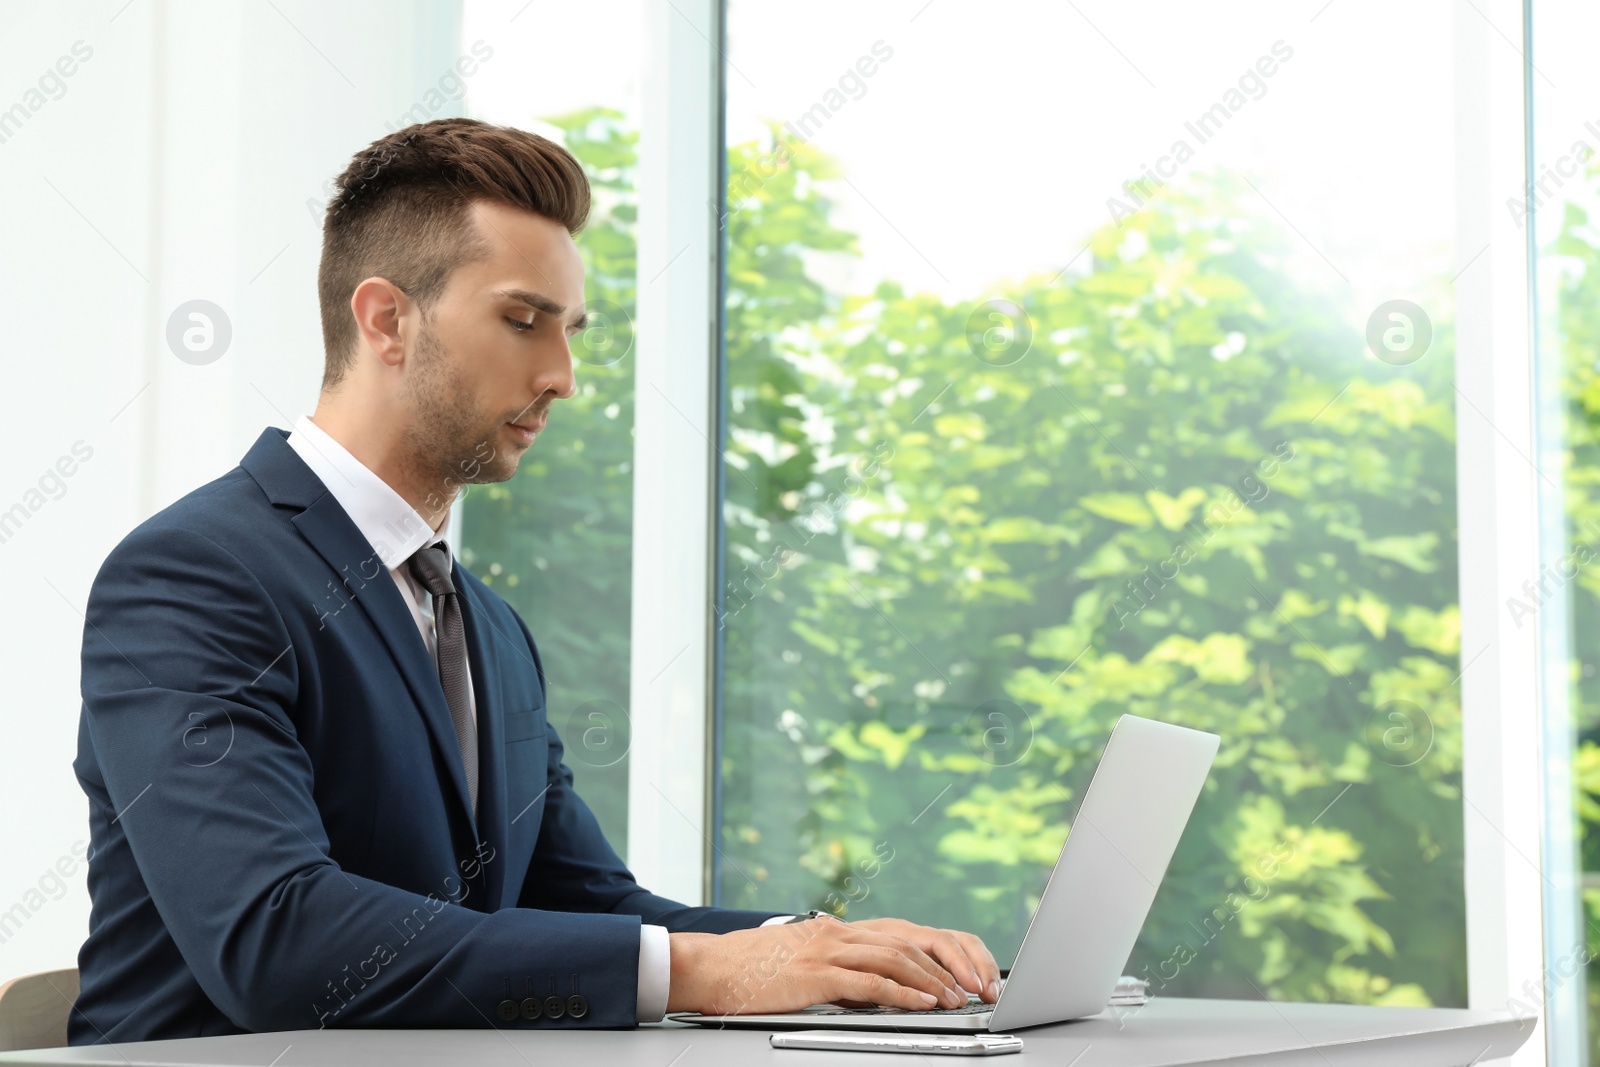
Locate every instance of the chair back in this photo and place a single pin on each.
(34, 1009)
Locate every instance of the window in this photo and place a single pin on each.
(1562, 600)
(556, 540)
(1125, 384)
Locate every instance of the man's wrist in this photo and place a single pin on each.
(683, 992)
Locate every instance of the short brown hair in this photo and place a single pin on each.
(401, 212)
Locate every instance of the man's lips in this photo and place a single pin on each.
(529, 429)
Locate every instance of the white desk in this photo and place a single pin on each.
(1167, 1031)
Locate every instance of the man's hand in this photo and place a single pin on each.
(824, 960)
(962, 954)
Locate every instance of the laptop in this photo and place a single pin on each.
(1093, 906)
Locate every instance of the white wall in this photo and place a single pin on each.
(175, 163)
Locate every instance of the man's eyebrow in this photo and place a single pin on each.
(540, 302)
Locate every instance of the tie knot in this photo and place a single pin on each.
(430, 565)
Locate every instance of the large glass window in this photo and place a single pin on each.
(556, 540)
(1074, 370)
(1563, 598)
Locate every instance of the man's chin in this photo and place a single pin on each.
(503, 469)
(500, 466)
(505, 464)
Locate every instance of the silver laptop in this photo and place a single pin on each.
(1093, 906)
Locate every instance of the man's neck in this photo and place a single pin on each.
(384, 456)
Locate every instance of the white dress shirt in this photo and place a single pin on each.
(396, 531)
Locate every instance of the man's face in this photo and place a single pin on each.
(493, 356)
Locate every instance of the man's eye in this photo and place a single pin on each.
(518, 325)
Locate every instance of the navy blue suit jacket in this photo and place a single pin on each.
(280, 830)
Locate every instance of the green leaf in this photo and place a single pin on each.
(1118, 507)
(1172, 512)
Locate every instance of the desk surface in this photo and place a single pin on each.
(1165, 1032)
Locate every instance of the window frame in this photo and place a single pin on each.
(1564, 1011)
(678, 491)
(676, 460)
(1497, 519)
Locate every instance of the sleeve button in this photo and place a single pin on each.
(532, 1008)
(508, 1010)
(577, 1007)
(555, 1007)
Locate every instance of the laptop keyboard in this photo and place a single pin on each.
(970, 1009)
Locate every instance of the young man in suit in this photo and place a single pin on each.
(323, 789)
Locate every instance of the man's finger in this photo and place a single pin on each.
(983, 960)
(962, 956)
(957, 956)
(874, 988)
(862, 935)
(898, 967)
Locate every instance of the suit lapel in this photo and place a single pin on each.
(329, 530)
(287, 481)
(492, 792)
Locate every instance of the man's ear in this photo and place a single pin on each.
(380, 309)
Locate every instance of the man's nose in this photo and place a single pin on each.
(564, 383)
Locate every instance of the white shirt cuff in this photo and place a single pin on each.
(655, 972)
(776, 919)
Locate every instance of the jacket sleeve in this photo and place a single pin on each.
(181, 642)
(574, 867)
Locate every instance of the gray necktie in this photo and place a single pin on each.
(431, 567)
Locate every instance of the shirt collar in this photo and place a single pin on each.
(391, 526)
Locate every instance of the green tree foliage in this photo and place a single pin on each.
(953, 563)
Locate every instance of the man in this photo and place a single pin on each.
(323, 789)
